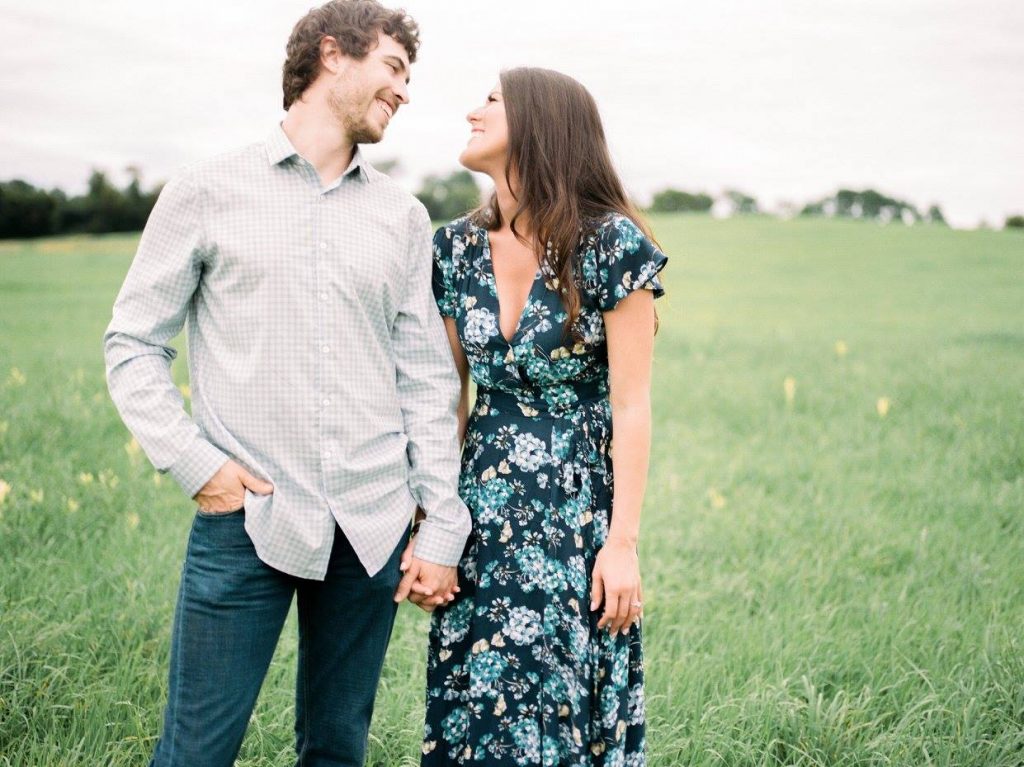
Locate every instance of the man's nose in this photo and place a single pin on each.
(402, 94)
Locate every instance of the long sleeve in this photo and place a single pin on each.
(150, 310)
(428, 391)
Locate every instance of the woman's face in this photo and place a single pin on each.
(487, 148)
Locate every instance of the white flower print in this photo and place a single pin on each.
(481, 326)
(523, 625)
(527, 452)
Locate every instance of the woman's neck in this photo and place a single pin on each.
(508, 204)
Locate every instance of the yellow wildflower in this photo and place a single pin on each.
(716, 499)
(36, 496)
(841, 348)
(882, 406)
(16, 378)
(789, 387)
(4, 490)
(85, 478)
(133, 520)
(132, 448)
(73, 505)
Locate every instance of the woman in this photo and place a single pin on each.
(538, 659)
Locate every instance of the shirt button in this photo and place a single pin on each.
(323, 246)
(325, 349)
(326, 402)
(323, 296)
(327, 453)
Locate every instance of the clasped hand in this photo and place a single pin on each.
(426, 584)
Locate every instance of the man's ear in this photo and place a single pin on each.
(331, 56)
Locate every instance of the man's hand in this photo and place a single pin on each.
(226, 489)
(425, 584)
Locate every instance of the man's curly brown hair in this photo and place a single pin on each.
(354, 24)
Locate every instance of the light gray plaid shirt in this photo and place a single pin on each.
(317, 358)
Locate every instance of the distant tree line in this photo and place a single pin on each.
(733, 201)
(873, 206)
(27, 211)
(448, 197)
(846, 203)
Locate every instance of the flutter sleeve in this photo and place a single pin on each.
(627, 260)
(444, 271)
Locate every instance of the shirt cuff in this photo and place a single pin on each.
(196, 466)
(437, 545)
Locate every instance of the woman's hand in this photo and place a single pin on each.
(417, 593)
(617, 583)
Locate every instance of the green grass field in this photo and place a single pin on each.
(834, 567)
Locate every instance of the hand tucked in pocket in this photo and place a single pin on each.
(226, 489)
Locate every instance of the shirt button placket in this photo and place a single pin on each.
(320, 252)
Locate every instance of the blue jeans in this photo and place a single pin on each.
(231, 607)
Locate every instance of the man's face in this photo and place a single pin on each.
(367, 93)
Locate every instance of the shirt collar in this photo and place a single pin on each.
(279, 149)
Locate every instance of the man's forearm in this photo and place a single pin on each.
(139, 379)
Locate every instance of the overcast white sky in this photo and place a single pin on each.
(787, 100)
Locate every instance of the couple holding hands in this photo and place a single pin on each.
(331, 348)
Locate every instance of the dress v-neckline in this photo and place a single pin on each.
(497, 293)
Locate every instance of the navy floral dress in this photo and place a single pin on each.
(517, 671)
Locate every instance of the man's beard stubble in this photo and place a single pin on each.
(352, 116)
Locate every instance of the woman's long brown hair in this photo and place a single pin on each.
(564, 178)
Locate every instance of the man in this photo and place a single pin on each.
(323, 395)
